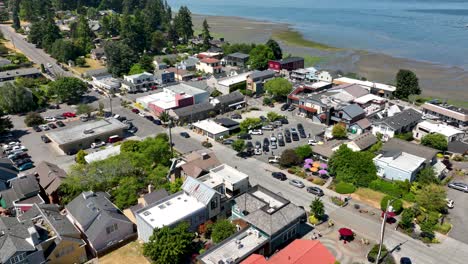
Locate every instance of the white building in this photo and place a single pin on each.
(138, 82)
(103, 154)
(426, 127)
(226, 180)
(211, 129)
(227, 84)
(399, 166)
(106, 82)
(380, 89)
(209, 65)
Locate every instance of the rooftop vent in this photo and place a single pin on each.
(87, 195)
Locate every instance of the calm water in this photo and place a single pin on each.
(427, 30)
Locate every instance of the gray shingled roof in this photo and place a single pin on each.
(19, 72)
(395, 144)
(353, 110)
(155, 196)
(7, 171)
(262, 74)
(13, 236)
(50, 176)
(365, 140)
(21, 188)
(290, 59)
(402, 119)
(239, 55)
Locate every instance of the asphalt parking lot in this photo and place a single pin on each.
(457, 215)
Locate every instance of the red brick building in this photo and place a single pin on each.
(289, 64)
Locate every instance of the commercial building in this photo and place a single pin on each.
(237, 59)
(199, 95)
(228, 123)
(138, 82)
(288, 64)
(230, 84)
(427, 127)
(448, 113)
(209, 65)
(23, 73)
(211, 129)
(380, 89)
(256, 80)
(72, 139)
(401, 122)
(106, 82)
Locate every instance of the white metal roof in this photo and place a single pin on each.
(445, 130)
(103, 154)
(381, 86)
(369, 97)
(210, 126)
(234, 79)
(405, 161)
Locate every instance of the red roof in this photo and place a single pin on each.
(300, 251)
(209, 60)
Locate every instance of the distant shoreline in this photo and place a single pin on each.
(436, 80)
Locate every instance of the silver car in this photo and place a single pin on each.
(459, 186)
(296, 183)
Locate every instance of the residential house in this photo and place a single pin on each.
(24, 192)
(288, 64)
(189, 64)
(138, 82)
(160, 62)
(147, 199)
(448, 113)
(310, 74)
(361, 126)
(102, 223)
(195, 204)
(325, 151)
(348, 115)
(300, 251)
(399, 123)
(380, 89)
(362, 142)
(398, 165)
(196, 164)
(237, 59)
(17, 73)
(59, 239)
(395, 145)
(427, 127)
(256, 80)
(97, 53)
(7, 172)
(50, 178)
(181, 75)
(371, 103)
(209, 65)
(166, 77)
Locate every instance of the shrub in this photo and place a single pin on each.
(344, 188)
(313, 220)
(397, 204)
(33, 119)
(372, 255)
(318, 181)
(207, 144)
(289, 158)
(443, 228)
(337, 201)
(440, 155)
(386, 187)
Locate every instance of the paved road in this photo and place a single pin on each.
(458, 213)
(38, 56)
(450, 251)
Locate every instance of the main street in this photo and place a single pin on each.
(37, 55)
(449, 251)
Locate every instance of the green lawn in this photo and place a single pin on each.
(295, 38)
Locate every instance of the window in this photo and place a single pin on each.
(18, 258)
(214, 203)
(111, 228)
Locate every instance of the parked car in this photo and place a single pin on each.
(59, 117)
(44, 127)
(244, 136)
(142, 114)
(37, 128)
(263, 118)
(236, 116)
(113, 139)
(284, 121)
(60, 123)
(312, 142)
(291, 108)
(45, 139)
(83, 118)
(249, 145)
(184, 134)
(460, 186)
(149, 117)
(256, 132)
(274, 159)
(278, 123)
(295, 136)
(52, 125)
(272, 138)
(15, 154)
(25, 166)
(302, 134)
(266, 148)
(268, 127)
(136, 111)
(281, 142)
(50, 119)
(98, 144)
(285, 107)
(133, 129)
(266, 142)
(228, 142)
(157, 122)
(300, 126)
(20, 162)
(19, 156)
(258, 145)
(405, 260)
(258, 151)
(279, 175)
(69, 114)
(315, 190)
(273, 145)
(450, 203)
(296, 183)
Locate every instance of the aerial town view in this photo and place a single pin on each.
(233, 132)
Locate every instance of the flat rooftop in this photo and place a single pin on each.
(171, 210)
(404, 161)
(228, 81)
(185, 88)
(268, 199)
(380, 86)
(165, 99)
(76, 133)
(103, 154)
(221, 174)
(445, 130)
(210, 126)
(236, 248)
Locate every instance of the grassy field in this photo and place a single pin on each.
(295, 38)
(91, 65)
(368, 196)
(131, 253)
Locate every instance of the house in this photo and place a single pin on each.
(147, 199)
(23, 73)
(24, 192)
(371, 103)
(189, 64)
(138, 82)
(59, 239)
(288, 64)
(181, 75)
(300, 251)
(272, 215)
(310, 74)
(398, 165)
(399, 123)
(106, 83)
(395, 144)
(228, 123)
(7, 172)
(94, 25)
(304, 90)
(210, 129)
(195, 203)
(380, 89)
(102, 223)
(50, 178)
(361, 126)
(256, 80)
(326, 150)
(166, 77)
(96, 73)
(164, 61)
(348, 115)
(447, 113)
(97, 53)
(362, 142)
(237, 59)
(427, 127)
(232, 83)
(209, 65)
(226, 180)
(197, 164)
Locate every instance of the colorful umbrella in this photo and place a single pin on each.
(316, 164)
(345, 232)
(323, 166)
(323, 172)
(308, 160)
(314, 169)
(307, 166)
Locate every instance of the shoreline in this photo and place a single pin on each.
(436, 80)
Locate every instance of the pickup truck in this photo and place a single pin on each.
(274, 159)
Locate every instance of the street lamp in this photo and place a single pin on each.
(388, 209)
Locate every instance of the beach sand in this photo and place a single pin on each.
(436, 80)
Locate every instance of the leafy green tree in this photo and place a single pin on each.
(427, 176)
(408, 136)
(110, 26)
(84, 35)
(278, 87)
(431, 197)
(317, 208)
(303, 152)
(222, 229)
(245, 48)
(164, 117)
(436, 140)
(33, 119)
(14, 14)
(238, 145)
(126, 194)
(339, 131)
(120, 57)
(65, 50)
(16, 99)
(407, 217)
(289, 158)
(407, 83)
(173, 35)
(176, 185)
(206, 35)
(4, 16)
(80, 157)
(183, 23)
(136, 69)
(146, 62)
(67, 89)
(353, 167)
(158, 42)
(259, 57)
(5, 123)
(397, 204)
(84, 109)
(275, 47)
(273, 116)
(130, 146)
(250, 123)
(169, 245)
(44, 33)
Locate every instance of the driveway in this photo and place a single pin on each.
(459, 214)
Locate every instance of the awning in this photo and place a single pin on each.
(235, 104)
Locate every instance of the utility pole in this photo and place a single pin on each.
(382, 229)
(170, 137)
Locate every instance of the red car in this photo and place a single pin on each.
(136, 111)
(69, 114)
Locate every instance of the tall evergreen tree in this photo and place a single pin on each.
(120, 57)
(407, 83)
(84, 35)
(275, 47)
(183, 23)
(14, 14)
(206, 35)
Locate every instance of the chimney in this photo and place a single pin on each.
(86, 195)
(34, 239)
(150, 188)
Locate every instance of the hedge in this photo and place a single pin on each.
(397, 204)
(387, 187)
(372, 255)
(344, 188)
